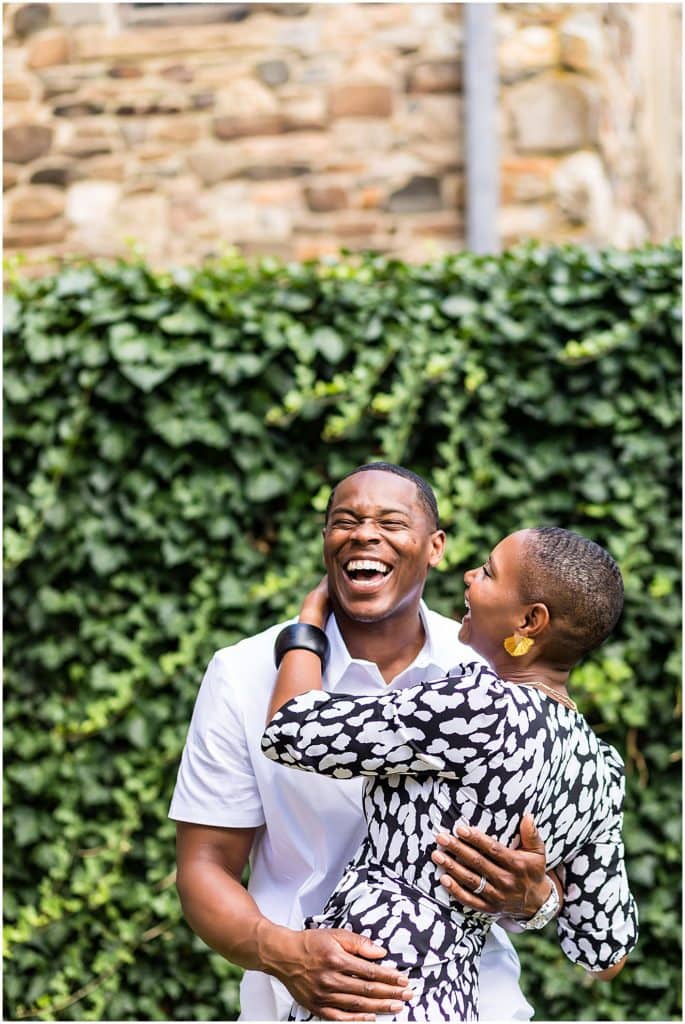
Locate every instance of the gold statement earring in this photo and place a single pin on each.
(518, 645)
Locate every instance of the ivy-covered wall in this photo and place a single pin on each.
(170, 441)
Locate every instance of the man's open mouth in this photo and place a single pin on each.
(367, 570)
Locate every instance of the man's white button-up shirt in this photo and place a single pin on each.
(308, 826)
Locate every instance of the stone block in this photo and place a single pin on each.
(435, 76)
(273, 72)
(78, 109)
(324, 198)
(177, 129)
(178, 73)
(30, 18)
(369, 197)
(134, 133)
(246, 97)
(305, 113)
(48, 48)
(102, 168)
(97, 42)
(90, 202)
(11, 174)
(583, 191)
(139, 183)
(213, 163)
(306, 248)
(248, 125)
(439, 157)
(553, 115)
(275, 172)
(204, 100)
(429, 118)
(90, 137)
(448, 224)
(360, 101)
(421, 193)
(126, 71)
(530, 49)
(25, 142)
(58, 81)
(453, 188)
(24, 235)
(526, 179)
(19, 87)
(582, 42)
(533, 220)
(277, 193)
(35, 203)
(55, 174)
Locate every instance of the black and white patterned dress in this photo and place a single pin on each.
(469, 748)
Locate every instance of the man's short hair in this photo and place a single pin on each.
(579, 582)
(423, 488)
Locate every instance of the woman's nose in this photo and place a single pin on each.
(468, 575)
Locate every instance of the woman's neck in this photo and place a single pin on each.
(556, 677)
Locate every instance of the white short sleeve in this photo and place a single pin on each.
(216, 783)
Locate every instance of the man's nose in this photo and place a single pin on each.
(366, 530)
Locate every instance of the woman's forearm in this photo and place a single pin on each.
(299, 672)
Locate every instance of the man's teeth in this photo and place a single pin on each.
(368, 565)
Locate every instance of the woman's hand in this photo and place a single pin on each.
(316, 605)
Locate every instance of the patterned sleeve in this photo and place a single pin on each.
(432, 727)
(598, 922)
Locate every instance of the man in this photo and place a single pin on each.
(380, 540)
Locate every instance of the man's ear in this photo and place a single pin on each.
(437, 549)
(536, 620)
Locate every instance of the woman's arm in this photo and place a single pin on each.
(301, 670)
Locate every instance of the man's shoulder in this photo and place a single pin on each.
(245, 667)
(255, 652)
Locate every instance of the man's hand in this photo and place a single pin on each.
(516, 883)
(331, 972)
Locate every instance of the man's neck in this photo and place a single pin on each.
(391, 643)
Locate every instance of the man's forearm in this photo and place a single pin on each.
(221, 911)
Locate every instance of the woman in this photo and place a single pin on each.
(481, 747)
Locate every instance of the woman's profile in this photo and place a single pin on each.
(481, 747)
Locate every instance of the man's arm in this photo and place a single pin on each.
(325, 970)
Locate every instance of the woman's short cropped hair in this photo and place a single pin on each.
(578, 580)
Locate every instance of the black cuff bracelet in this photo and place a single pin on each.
(303, 636)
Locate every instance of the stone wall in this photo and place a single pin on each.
(296, 129)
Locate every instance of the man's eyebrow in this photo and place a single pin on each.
(343, 510)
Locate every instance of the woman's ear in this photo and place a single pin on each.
(537, 619)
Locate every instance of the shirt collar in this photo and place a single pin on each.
(342, 664)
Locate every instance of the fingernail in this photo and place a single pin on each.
(408, 993)
(438, 858)
(396, 1006)
(462, 830)
(402, 980)
(446, 881)
(442, 839)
